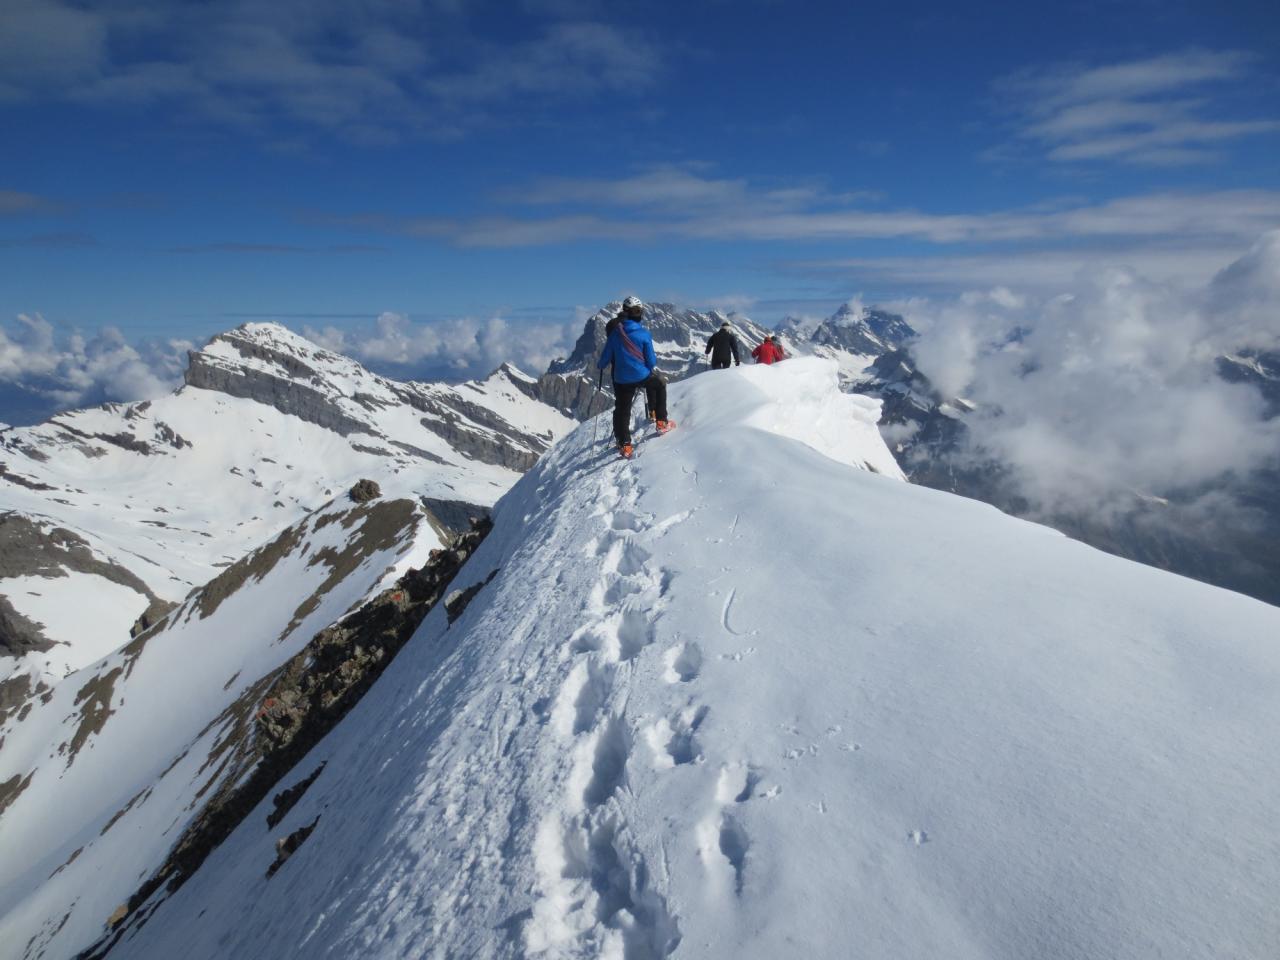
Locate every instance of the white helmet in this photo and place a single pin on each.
(633, 305)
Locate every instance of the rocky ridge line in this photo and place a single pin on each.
(277, 721)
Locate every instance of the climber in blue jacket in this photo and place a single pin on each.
(629, 350)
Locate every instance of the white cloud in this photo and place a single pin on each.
(370, 70)
(1109, 388)
(1157, 111)
(70, 370)
(1039, 270)
(461, 347)
(665, 202)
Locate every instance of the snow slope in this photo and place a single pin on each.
(741, 698)
(116, 759)
(165, 494)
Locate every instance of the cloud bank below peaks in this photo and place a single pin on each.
(1108, 390)
(43, 371)
(457, 348)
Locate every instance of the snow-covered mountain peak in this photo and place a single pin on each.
(273, 349)
(133, 505)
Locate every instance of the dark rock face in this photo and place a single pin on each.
(871, 333)
(573, 395)
(287, 846)
(364, 490)
(287, 396)
(14, 692)
(29, 550)
(278, 719)
(256, 565)
(451, 518)
(162, 435)
(12, 788)
(286, 800)
(374, 526)
(478, 446)
(151, 617)
(456, 603)
(19, 635)
(21, 481)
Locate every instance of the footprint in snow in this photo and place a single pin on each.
(674, 742)
(736, 784)
(609, 753)
(683, 663)
(625, 520)
(632, 632)
(583, 696)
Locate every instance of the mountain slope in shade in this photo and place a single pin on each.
(102, 773)
(743, 697)
(128, 507)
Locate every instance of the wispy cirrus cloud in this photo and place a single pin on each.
(366, 70)
(65, 240)
(282, 248)
(681, 203)
(675, 189)
(1159, 111)
(15, 203)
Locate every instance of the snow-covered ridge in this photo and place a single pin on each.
(739, 699)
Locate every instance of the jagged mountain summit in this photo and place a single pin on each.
(128, 507)
(750, 695)
(853, 328)
(853, 336)
(679, 339)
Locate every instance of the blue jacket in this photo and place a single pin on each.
(633, 363)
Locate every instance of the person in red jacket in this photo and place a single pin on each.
(770, 351)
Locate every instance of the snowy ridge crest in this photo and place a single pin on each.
(799, 399)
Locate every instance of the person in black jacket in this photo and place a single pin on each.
(721, 345)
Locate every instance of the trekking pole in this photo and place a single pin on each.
(595, 431)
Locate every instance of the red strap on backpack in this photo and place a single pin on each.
(629, 345)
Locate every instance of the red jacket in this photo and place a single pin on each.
(768, 352)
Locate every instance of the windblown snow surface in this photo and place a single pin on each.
(742, 697)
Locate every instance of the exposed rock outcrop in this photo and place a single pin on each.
(277, 721)
(287, 846)
(364, 490)
(285, 800)
(286, 395)
(573, 395)
(29, 549)
(150, 617)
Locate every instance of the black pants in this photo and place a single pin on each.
(719, 364)
(624, 395)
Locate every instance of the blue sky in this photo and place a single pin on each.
(172, 170)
